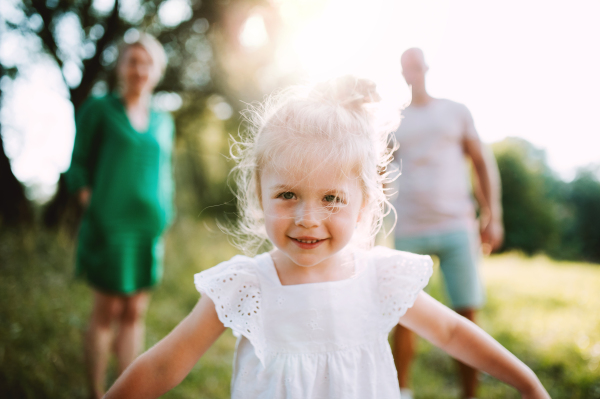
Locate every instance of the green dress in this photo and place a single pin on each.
(120, 247)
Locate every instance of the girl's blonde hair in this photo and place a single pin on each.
(338, 123)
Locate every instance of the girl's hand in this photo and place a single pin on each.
(168, 362)
(538, 392)
(469, 344)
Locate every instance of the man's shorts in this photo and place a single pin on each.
(459, 253)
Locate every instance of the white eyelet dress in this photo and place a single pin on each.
(311, 341)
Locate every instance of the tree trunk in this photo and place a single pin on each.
(15, 208)
(63, 210)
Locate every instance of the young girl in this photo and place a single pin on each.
(313, 315)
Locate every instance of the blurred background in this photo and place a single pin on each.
(527, 70)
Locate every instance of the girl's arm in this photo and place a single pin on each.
(468, 343)
(168, 362)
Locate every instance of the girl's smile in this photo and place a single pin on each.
(308, 242)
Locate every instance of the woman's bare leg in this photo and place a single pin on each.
(98, 339)
(130, 337)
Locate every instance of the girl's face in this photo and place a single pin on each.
(310, 217)
(136, 71)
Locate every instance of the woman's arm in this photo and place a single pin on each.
(84, 195)
(468, 343)
(168, 362)
(473, 149)
(88, 136)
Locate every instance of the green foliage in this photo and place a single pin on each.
(202, 164)
(44, 312)
(539, 309)
(542, 213)
(584, 198)
(101, 30)
(530, 219)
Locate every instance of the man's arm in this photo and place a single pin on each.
(494, 239)
(473, 149)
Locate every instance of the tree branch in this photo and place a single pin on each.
(46, 34)
(85, 15)
(93, 66)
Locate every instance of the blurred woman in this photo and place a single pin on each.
(121, 172)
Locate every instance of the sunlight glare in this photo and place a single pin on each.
(38, 156)
(327, 44)
(172, 12)
(254, 32)
(350, 37)
(516, 80)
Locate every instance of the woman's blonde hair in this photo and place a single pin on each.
(152, 47)
(336, 122)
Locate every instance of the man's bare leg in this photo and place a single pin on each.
(468, 375)
(403, 349)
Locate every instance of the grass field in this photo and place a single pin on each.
(546, 312)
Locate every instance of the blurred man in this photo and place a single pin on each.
(436, 214)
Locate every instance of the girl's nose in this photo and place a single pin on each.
(308, 216)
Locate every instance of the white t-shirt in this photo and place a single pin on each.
(434, 190)
(319, 340)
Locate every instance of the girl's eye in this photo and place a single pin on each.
(288, 195)
(332, 198)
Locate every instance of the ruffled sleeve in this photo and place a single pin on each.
(400, 278)
(234, 288)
